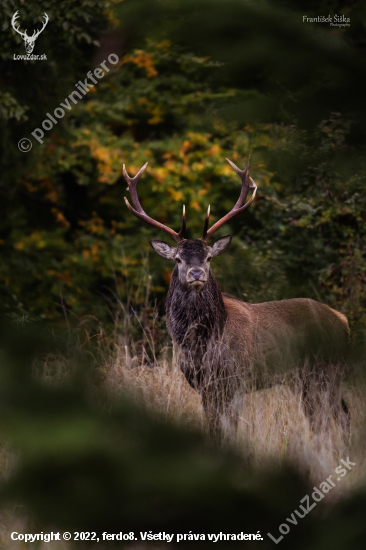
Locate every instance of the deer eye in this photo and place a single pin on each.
(178, 260)
(209, 258)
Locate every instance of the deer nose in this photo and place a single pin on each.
(196, 273)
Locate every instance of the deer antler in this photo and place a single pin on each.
(44, 24)
(13, 21)
(139, 212)
(240, 205)
(24, 34)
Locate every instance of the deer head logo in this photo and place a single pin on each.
(29, 40)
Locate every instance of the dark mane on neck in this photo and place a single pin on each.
(194, 317)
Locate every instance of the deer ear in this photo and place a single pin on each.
(163, 249)
(220, 246)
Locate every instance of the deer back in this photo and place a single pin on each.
(294, 328)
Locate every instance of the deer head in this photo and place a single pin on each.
(192, 258)
(29, 40)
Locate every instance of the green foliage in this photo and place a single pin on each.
(67, 241)
(265, 47)
(318, 222)
(10, 108)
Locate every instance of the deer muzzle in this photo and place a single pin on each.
(196, 276)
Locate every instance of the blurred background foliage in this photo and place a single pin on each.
(197, 81)
(189, 90)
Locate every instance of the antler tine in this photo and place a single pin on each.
(240, 205)
(244, 176)
(205, 227)
(132, 183)
(46, 18)
(13, 21)
(180, 236)
(139, 212)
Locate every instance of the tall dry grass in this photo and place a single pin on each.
(272, 426)
(138, 359)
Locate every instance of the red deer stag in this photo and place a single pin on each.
(222, 340)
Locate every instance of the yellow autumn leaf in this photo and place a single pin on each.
(175, 195)
(225, 170)
(155, 119)
(215, 149)
(30, 187)
(52, 195)
(198, 166)
(178, 195)
(186, 146)
(198, 139)
(142, 59)
(164, 44)
(196, 206)
(60, 218)
(159, 173)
